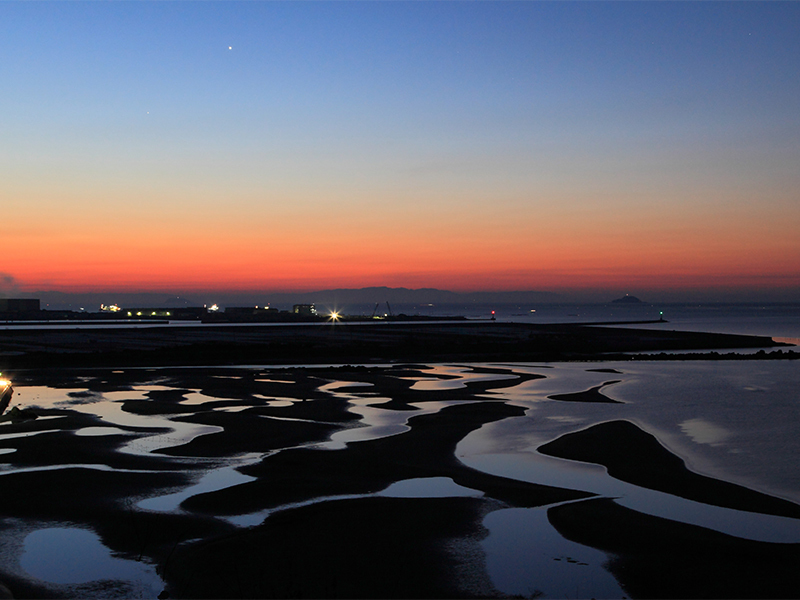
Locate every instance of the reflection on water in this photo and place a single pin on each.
(67, 556)
(332, 387)
(753, 402)
(108, 407)
(212, 481)
(275, 403)
(733, 421)
(99, 431)
(377, 422)
(548, 470)
(194, 399)
(527, 557)
(11, 436)
(703, 432)
(455, 384)
(428, 487)
(424, 487)
(180, 433)
(452, 377)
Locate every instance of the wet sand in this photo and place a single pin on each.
(355, 545)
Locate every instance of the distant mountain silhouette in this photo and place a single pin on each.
(409, 296)
(627, 299)
(90, 301)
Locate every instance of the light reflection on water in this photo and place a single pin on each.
(734, 421)
(377, 422)
(65, 555)
(11, 436)
(703, 432)
(195, 399)
(108, 407)
(428, 487)
(527, 557)
(332, 387)
(456, 384)
(754, 402)
(276, 403)
(101, 431)
(216, 479)
(452, 377)
(547, 470)
(423, 487)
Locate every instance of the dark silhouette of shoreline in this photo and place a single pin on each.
(154, 345)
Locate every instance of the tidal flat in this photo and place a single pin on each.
(612, 479)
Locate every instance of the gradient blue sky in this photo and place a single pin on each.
(564, 146)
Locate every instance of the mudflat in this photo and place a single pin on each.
(84, 344)
(318, 528)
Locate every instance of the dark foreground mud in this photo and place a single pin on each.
(320, 530)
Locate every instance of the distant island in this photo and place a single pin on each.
(627, 299)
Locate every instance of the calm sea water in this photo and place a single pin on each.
(769, 319)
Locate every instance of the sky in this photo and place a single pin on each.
(572, 147)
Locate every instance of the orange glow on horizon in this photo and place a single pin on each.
(544, 248)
